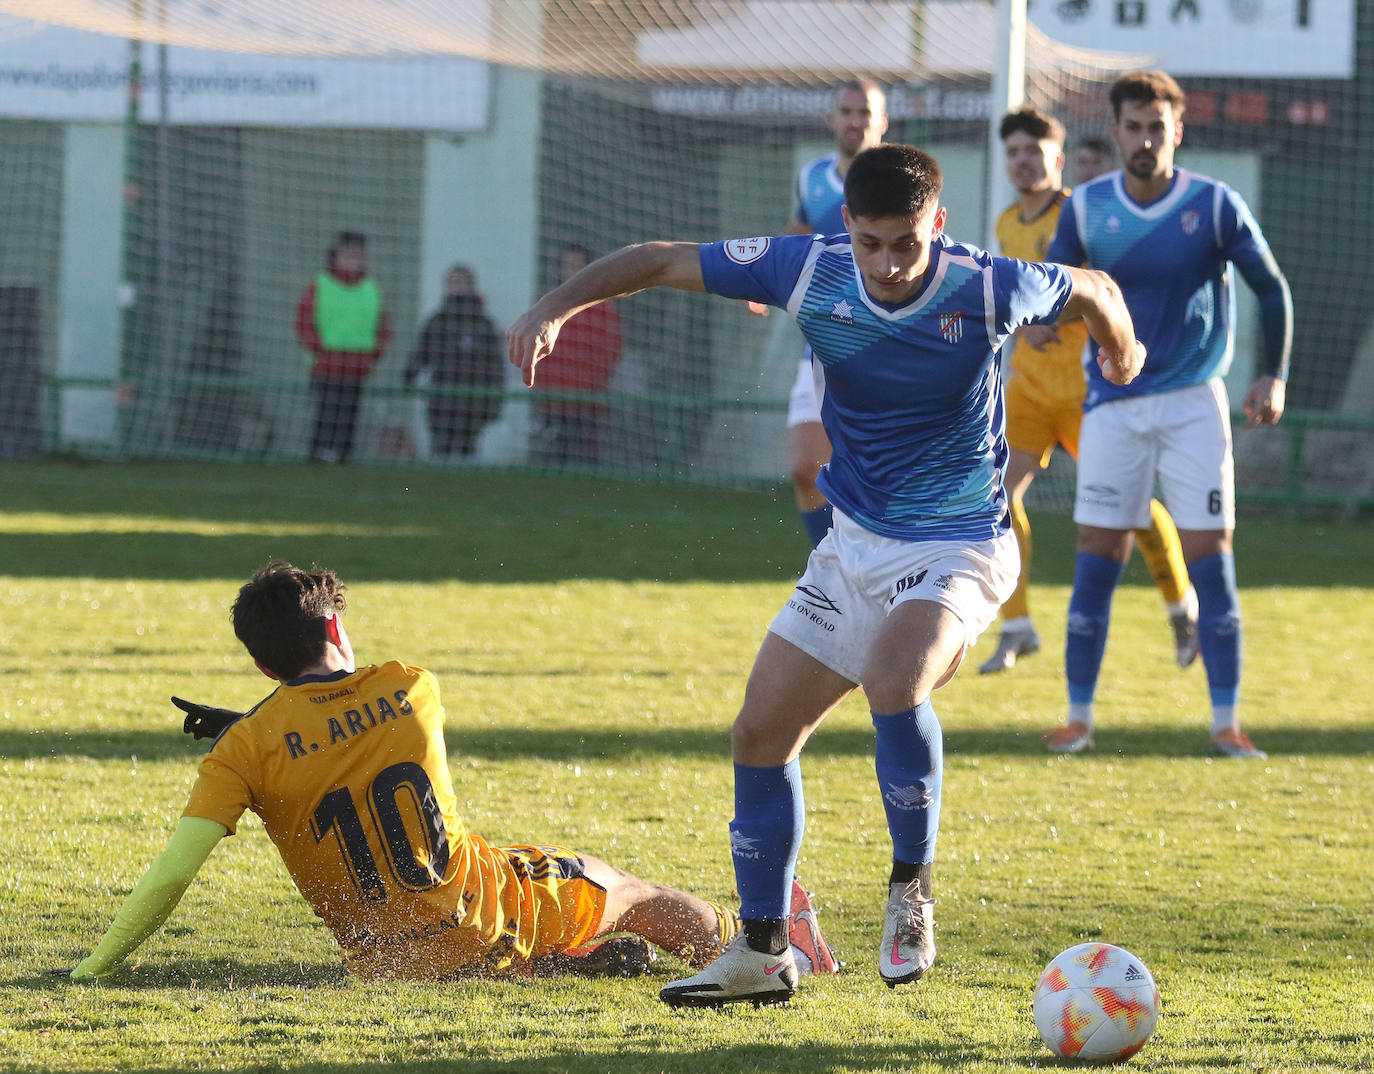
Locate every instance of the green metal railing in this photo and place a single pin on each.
(1292, 486)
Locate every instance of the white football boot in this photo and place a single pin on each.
(1184, 625)
(908, 934)
(1012, 645)
(739, 975)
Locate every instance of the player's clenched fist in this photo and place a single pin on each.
(1122, 368)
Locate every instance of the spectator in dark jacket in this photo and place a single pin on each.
(461, 349)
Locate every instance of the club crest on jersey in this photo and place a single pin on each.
(1190, 219)
(843, 312)
(743, 251)
(952, 326)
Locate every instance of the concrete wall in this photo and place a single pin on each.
(89, 293)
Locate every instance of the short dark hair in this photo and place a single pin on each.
(861, 84)
(1095, 143)
(892, 180)
(350, 238)
(1141, 87)
(280, 615)
(1039, 125)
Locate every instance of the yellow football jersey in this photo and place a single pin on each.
(350, 776)
(1054, 375)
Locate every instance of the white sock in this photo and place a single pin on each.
(1187, 603)
(1020, 625)
(1224, 716)
(1079, 713)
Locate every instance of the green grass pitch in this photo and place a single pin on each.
(593, 639)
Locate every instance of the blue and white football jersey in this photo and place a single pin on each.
(1170, 259)
(913, 393)
(820, 193)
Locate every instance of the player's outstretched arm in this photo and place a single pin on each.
(155, 896)
(1097, 299)
(204, 721)
(530, 339)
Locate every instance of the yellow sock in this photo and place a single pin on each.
(1163, 554)
(1018, 604)
(727, 923)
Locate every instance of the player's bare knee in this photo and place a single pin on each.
(747, 738)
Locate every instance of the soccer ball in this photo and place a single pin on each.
(1096, 1002)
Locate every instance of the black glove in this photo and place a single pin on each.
(202, 721)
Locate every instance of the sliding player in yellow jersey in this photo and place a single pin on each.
(348, 770)
(1045, 391)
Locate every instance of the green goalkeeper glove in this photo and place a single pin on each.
(203, 721)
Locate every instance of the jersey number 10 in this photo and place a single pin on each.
(397, 786)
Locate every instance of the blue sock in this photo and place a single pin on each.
(770, 817)
(1218, 625)
(816, 522)
(910, 758)
(1090, 612)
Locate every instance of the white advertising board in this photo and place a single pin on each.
(51, 72)
(1246, 38)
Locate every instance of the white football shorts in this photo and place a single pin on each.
(855, 578)
(1182, 437)
(804, 404)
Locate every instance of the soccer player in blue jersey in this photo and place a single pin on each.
(906, 325)
(858, 120)
(1167, 236)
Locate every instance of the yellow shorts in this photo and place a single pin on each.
(532, 901)
(567, 907)
(1038, 420)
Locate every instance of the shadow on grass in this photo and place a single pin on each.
(381, 524)
(205, 974)
(493, 526)
(562, 745)
(928, 1048)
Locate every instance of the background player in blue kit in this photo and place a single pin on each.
(906, 325)
(858, 120)
(1167, 236)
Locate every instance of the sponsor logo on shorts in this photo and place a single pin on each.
(903, 584)
(1100, 496)
(945, 583)
(818, 598)
(743, 251)
(908, 799)
(812, 602)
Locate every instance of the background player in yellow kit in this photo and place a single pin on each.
(348, 770)
(1045, 390)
